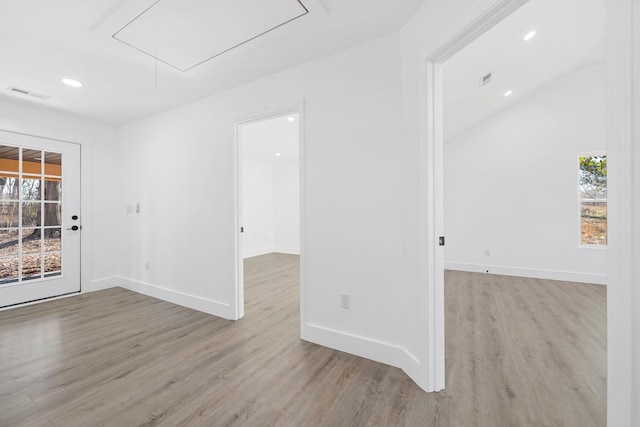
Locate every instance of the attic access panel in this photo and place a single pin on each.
(186, 33)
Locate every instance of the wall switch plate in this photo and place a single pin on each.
(345, 301)
(487, 252)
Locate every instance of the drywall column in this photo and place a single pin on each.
(623, 299)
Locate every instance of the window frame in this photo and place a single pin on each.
(581, 245)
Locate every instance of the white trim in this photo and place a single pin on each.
(431, 226)
(433, 183)
(25, 304)
(595, 247)
(295, 106)
(288, 251)
(205, 305)
(623, 156)
(270, 250)
(379, 351)
(85, 218)
(635, 237)
(238, 300)
(564, 276)
(487, 20)
(257, 252)
(597, 153)
(101, 284)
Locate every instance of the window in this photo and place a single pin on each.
(592, 195)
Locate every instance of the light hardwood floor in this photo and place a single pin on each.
(520, 352)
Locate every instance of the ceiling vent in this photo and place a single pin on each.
(28, 92)
(486, 79)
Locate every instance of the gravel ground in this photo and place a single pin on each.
(31, 258)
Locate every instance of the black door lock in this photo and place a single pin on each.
(75, 217)
(441, 240)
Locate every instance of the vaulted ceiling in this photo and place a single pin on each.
(569, 34)
(139, 57)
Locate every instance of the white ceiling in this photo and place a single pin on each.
(43, 41)
(261, 140)
(186, 33)
(569, 34)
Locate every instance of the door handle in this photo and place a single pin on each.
(74, 228)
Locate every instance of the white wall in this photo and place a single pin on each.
(363, 208)
(353, 200)
(366, 102)
(100, 182)
(381, 85)
(286, 204)
(257, 207)
(270, 207)
(511, 184)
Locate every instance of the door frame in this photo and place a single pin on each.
(85, 147)
(291, 107)
(623, 111)
(432, 184)
(86, 141)
(623, 158)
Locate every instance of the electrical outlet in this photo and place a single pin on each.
(487, 252)
(146, 265)
(345, 301)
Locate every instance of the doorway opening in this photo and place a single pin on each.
(268, 205)
(521, 105)
(432, 185)
(497, 132)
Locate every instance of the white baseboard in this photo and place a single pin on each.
(284, 250)
(565, 276)
(379, 351)
(100, 284)
(205, 305)
(269, 250)
(258, 252)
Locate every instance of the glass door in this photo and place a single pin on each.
(39, 218)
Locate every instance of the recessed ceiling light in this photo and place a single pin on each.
(508, 93)
(278, 154)
(291, 119)
(529, 36)
(72, 83)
